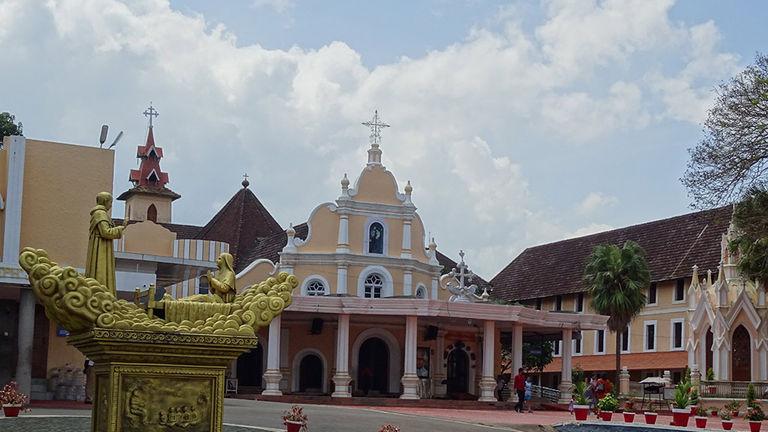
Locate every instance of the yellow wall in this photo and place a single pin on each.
(377, 185)
(324, 226)
(60, 353)
(60, 186)
(258, 273)
(149, 238)
(139, 203)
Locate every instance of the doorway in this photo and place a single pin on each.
(311, 374)
(250, 367)
(741, 355)
(373, 367)
(458, 371)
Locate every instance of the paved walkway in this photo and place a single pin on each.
(247, 415)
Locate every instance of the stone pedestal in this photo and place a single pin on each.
(341, 385)
(624, 381)
(410, 386)
(487, 390)
(150, 381)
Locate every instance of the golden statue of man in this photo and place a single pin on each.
(100, 263)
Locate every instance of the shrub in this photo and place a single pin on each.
(710, 374)
(579, 393)
(725, 414)
(10, 395)
(296, 415)
(608, 403)
(682, 396)
(755, 413)
(751, 395)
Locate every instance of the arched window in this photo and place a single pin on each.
(152, 213)
(376, 238)
(315, 287)
(373, 285)
(421, 292)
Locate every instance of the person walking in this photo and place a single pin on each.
(519, 386)
(528, 393)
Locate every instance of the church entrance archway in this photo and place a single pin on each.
(311, 374)
(373, 367)
(708, 349)
(741, 355)
(458, 371)
(250, 367)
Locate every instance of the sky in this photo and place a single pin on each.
(517, 123)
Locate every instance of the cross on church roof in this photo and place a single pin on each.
(376, 125)
(150, 112)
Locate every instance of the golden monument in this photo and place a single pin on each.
(100, 263)
(153, 374)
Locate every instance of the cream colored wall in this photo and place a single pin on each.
(377, 185)
(139, 203)
(258, 273)
(418, 238)
(60, 186)
(324, 226)
(149, 238)
(60, 353)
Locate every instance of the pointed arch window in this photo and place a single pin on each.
(152, 213)
(376, 238)
(374, 282)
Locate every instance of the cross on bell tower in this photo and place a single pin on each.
(150, 112)
(376, 125)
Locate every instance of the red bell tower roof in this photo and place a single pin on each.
(149, 175)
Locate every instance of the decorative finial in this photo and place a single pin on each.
(408, 188)
(375, 125)
(345, 182)
(290, 231)
(245, 181)
(151, 112)
(432, 244)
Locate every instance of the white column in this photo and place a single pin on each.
(13, 198)
(434, 294)
(517, 353)
(440, 389)
(407, 283)
(488, 382)
(406, 247)
(342, 378)
(26, 335)
(410, 380)
(565, 380)
(342, 245)
(272, 375)
(341, 279)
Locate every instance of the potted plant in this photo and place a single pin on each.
(295, 420)
(725, 419)
(629, 411)
(681, 412)
(607, 406)
(580, 401)
(650, 415)
(701, 418)
(693, 401)
(389, 428)
(711, 388)
(734, 408)
(12, 400)
(714, 411)
(755, 417)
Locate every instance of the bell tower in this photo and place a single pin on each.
(149, 198)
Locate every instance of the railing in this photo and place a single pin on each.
(732, 389)
(546, 393)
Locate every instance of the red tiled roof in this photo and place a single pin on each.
(672, 246)
(666, 360)
(242, 222)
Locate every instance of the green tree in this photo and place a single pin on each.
(750, 218)
(733, 155)
(617, 279)
(8, 126)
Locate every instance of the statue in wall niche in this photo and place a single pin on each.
(100, 263)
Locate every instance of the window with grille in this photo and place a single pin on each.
(373, 285)
(680, 290)
(652, 293)
(315, 287)
(677, 334)
(580, 302)
(600, 341)
(421, 292)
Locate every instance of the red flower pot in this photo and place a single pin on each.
(701, 422)
(650, 417)
(693, 410)
(735, 413)
(680, 417)
(606, 415)
(727, 424)
(581, 412)
(629, 417)
(293, 426)
(754, 426)
(714, 413)
(11, 410)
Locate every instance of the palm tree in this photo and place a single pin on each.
(617, 279)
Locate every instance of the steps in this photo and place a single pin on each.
(383, 402)
(40, 390)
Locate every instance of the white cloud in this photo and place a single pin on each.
(463, 116)
(595, 201)
(279, 6)
(592, 228)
